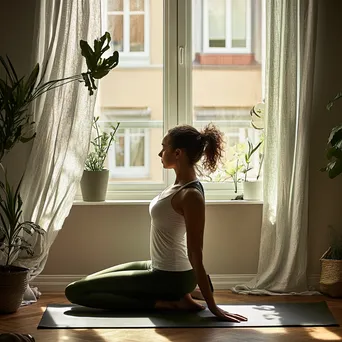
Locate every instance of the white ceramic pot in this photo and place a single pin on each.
(252, 191)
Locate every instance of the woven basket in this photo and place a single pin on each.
(13, 283)
(331, 276)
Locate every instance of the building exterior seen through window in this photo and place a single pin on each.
(226, 78)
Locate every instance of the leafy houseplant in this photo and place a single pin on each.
(11, 210)
(331, 261)
(16, 125)
(101, 143)
(334, 150)
(95, 177)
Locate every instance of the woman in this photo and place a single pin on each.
(176, 242)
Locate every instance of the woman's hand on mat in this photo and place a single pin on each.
(227, 316)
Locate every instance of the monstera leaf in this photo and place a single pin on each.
(98, 66)
(16, 93)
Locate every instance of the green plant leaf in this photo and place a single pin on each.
(331, 102)
(30, 83)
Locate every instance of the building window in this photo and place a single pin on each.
(129, 156)
(227, 26)
(127, 21)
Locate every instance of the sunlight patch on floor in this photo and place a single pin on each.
(323, 334)
(271, 330)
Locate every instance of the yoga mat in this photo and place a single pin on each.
(59, 316)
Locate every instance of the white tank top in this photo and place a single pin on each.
(168, 247)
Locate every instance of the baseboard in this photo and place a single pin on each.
(57, 283)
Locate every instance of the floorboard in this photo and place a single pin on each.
(27, 319)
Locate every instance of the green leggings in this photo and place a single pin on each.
(130, 286)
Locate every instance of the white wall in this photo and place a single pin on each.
(94, 237)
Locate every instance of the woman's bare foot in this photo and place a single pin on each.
(184, 304)
(197, 294)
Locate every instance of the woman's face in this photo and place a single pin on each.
(167, 154)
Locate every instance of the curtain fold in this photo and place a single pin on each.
(290, 58)
(63, 122)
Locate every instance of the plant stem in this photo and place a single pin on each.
(260, 165)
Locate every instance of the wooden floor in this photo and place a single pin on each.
(27, 319)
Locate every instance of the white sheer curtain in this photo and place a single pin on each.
(290, 59)
(63, 122)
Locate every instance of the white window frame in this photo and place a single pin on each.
(228, 48)
(177, 100)
(128, 171)
(130, 58)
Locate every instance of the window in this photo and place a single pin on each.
(227, 26)
(181, 84)
(128, 23)
(129, 156)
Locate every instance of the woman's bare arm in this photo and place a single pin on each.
(193, 209)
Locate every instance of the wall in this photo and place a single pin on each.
(324, 193)
(16, 40)
(94, 237)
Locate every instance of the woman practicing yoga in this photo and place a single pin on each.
(176, 239)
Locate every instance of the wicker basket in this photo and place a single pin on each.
(13, 283)
(331, 276)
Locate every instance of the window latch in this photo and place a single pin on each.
(181, 55)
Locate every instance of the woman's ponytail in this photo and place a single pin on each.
(214, 147)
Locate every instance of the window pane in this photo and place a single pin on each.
(137, 33)
(238, 23)
(136, 5)
(133, 94)
(224, 96)
(115, 5)
(115, 28)
(217, 23)
(137, 150)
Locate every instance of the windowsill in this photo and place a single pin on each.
(147, 202)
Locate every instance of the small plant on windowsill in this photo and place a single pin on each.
(233, 168)
(252, 187)
(101, 144)
(95, 177)
(248, 159)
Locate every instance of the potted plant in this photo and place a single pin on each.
(16, 126)
(252, 187)
(95, 176)
(331, 260)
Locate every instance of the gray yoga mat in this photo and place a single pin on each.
(259, 315)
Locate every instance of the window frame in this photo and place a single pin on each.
(177, 98)
(227, 49)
